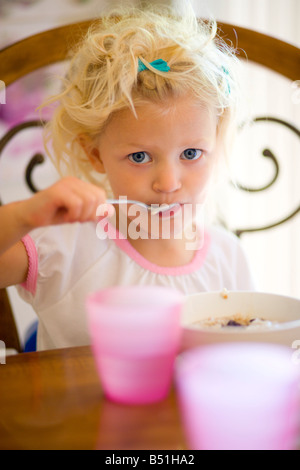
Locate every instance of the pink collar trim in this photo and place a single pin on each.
(189, 268)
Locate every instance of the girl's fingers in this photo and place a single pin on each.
(82, 202)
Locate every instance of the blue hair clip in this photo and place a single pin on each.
(227, 79)
(158, 64)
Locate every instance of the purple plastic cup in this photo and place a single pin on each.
(241, 396)
(135, 335)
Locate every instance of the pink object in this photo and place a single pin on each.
(241, 396)
(31, 281)
(135, 335)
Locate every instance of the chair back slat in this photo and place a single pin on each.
(52, 46)
(8, 330)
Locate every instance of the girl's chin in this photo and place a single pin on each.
(158, 227)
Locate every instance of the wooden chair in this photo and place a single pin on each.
(50, 47)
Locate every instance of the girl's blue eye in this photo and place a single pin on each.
(139, 157)
(192, 154)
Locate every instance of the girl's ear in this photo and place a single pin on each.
(91, 152)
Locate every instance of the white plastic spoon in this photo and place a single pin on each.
(153, 210)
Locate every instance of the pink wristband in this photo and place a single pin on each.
(31, 280)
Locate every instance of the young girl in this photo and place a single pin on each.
(146, 113)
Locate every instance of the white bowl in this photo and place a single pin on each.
(277, 308)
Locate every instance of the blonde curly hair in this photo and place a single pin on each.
(103, 77)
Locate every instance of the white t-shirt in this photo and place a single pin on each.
(68, 262)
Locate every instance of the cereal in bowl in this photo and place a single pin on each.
(237, 321)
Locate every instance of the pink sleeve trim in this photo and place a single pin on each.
(32, 275)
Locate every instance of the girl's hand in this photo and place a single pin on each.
(69, 200)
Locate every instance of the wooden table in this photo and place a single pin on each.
(53, 400)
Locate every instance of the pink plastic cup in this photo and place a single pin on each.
(241, 396)
(135, 336)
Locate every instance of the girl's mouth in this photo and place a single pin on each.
(172, 212)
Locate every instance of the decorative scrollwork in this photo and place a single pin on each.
(36, 160)
(269, 154)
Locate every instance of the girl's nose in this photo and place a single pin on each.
(167, 179)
